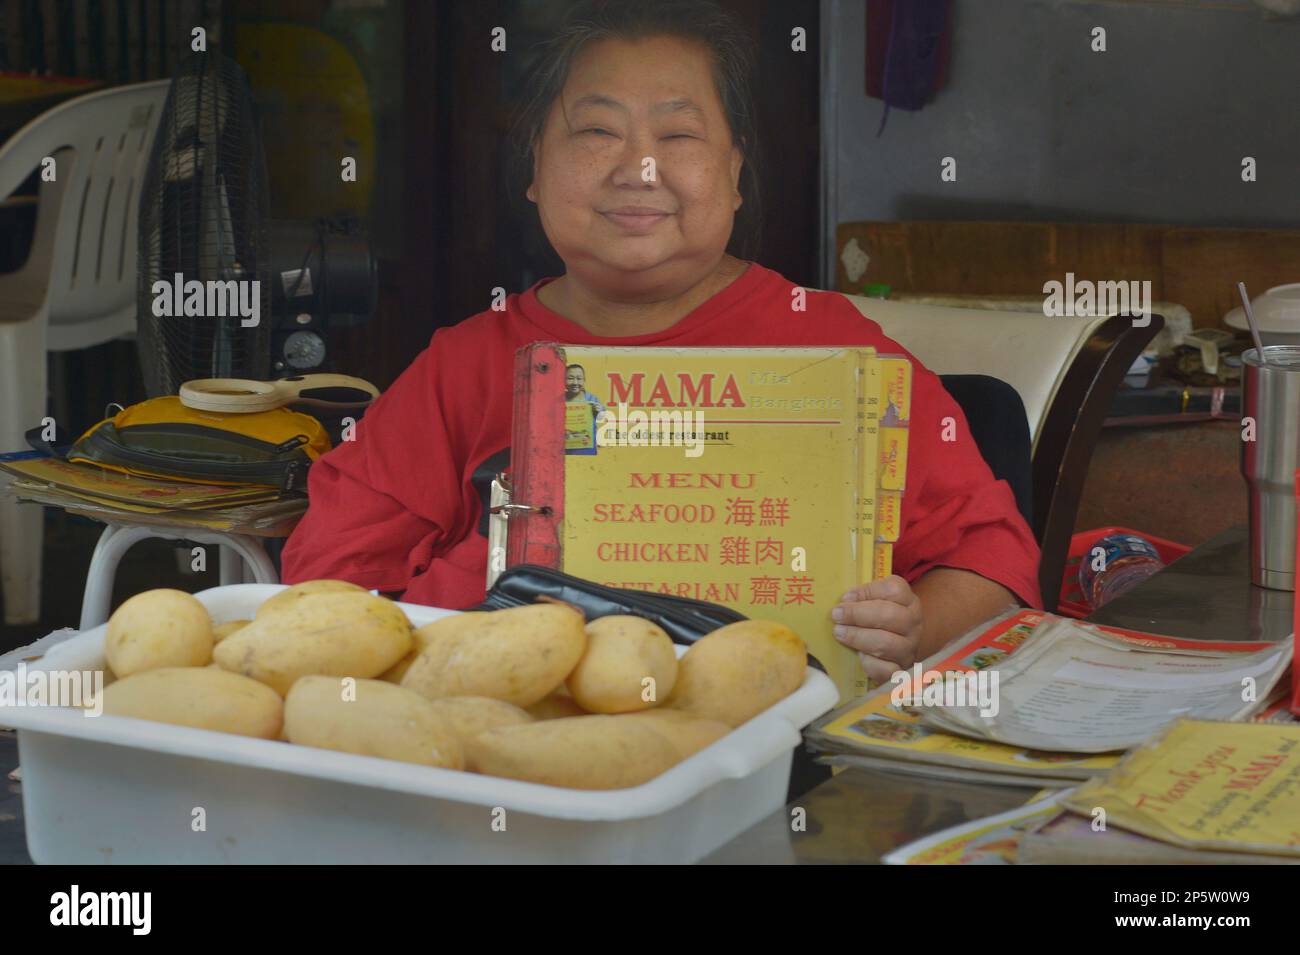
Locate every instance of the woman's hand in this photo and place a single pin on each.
(882, 621)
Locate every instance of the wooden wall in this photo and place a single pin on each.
(1195, 267)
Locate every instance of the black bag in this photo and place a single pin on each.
(684, 620)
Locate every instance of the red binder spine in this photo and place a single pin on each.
(537, 457)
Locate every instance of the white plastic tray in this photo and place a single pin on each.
(111, 789)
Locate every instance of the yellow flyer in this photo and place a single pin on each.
(579, 426)
(1207, 785)
(993, 840)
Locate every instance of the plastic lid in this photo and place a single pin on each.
(1277, 310)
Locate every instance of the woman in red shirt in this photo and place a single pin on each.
(626, 88)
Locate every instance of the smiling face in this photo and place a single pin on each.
(626, 102)
(575, 381)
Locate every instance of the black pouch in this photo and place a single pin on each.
(165, 438)
(684, 620)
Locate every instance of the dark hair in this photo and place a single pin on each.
(700, 21)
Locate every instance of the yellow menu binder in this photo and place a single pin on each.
(768, 480)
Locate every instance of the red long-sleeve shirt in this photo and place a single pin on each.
(396, 509)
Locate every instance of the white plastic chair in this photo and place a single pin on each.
(1066, 371)
(78, 286)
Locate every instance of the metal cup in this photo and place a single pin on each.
(1271, 397)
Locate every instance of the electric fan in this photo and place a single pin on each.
(224, 291)
(202, 219)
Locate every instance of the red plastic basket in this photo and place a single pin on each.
(1071, 602)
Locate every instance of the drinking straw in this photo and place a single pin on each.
(1250, 320)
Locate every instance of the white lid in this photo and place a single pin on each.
(1277, 310)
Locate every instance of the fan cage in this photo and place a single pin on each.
(203, 213)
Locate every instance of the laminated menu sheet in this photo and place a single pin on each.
(1074, 688)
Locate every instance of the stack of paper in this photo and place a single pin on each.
(1076, 689)
(110, 496)
(887, 729)
(878, 732)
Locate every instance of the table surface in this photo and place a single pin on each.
(860, 815)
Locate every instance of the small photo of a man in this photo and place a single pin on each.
(584, 412)
(575, 388)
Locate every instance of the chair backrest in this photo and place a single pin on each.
(996, 418)
(1066, 371)
(84, 248)
(1026, 350)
